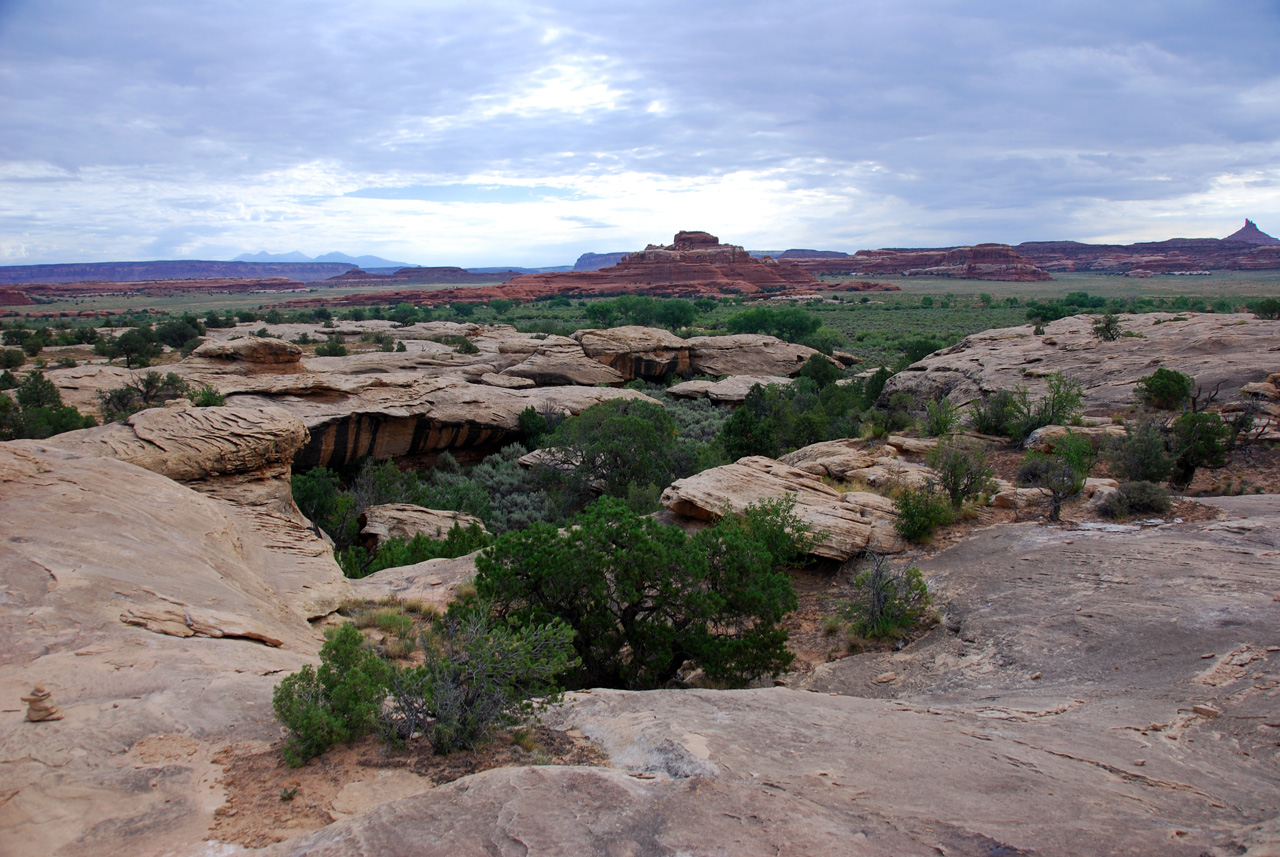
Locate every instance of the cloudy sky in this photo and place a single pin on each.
(479, 133)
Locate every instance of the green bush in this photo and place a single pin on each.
(36, 410)
(962, 473)
(940, 417)
(821, 370)
(888, 600)
(1268, 308)
(1108, 328)
(921, 510)
(1061, 404)
(334, 704)
(643, 598)
(332, 348)
(207, 397)
(356, 562)
(1147, 497)
(994, 414)
(1199, 440)
(1164, 389)
(611, 445)
(478, 675)
(1062, 473)
(12, 358)
(1115, 505)
(1142, 454)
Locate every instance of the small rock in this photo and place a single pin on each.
(1139, 762)
(40, 706)
(1035, 676)
(885, 678)
(1273, 648)
(1206, 711)
(1207, 655)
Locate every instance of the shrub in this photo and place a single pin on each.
(1061, 404)
(1142, 455)
(478, 675)
(1062, 474)
(207, 397)
(921, 510)
(888, 600)
(356, 562)
(1108, 328)
(1267, 308)
(36, 410)
(994, 413)
(961, 473)
(643, 598)
(1114, 505)
(1164, 389)
(146, 391)
(1199, 439)
(1146, 497)
(821, 370)
(12, 358)
(334, 704)
(940, 417)
(332, 348)
(611, 445)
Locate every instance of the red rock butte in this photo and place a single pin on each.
(694, 265)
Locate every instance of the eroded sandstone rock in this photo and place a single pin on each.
(848, 523)
(404, 521)
(1214, 348)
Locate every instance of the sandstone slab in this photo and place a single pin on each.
(746, 354)
(847, 523)
(404, 521)
(1227, 349)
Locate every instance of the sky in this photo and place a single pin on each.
(485, 133)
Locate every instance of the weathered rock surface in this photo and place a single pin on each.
(728, 391)
(560, 360)
(404, 521)
(254, 349)
(1233, 350)
(434, 581)
(155, 616)
(637, 352)
(746, 354)
(836, 459)
(848, 523)
(1045, 438)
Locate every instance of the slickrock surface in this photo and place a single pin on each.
(1087, 693)
(160, 620)
(1233, 350)
(404, 521)
(849, 522)
(241, 456)
(432, 582)
(746, 354)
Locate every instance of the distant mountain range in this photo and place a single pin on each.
(359, 261)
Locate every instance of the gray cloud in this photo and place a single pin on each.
(928, 121)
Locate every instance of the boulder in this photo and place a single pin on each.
(559, 360)
(832, 458)
(729, 391)
(1213, 348)
(846, 523)
(1045, 438)
(637, 352)
(434, 581)
(746, 354)
(509, 382)
(252, 349)
(404, 521)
